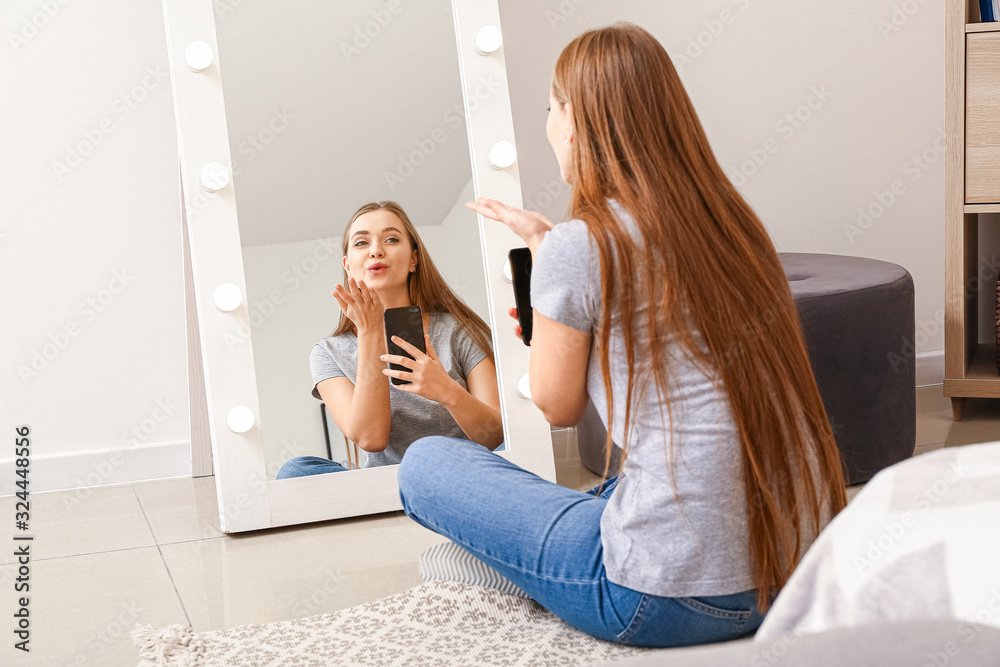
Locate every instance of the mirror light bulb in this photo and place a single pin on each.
(506, 272)
(523, 387)
(228, 297)
(240, 419)
(488, 39)
(198, 56)
(502, 155)
(214, 176)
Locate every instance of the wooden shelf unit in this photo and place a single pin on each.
(980, 377)
(972, 187)
(982, 208)
(988, 26)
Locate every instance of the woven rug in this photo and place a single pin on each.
(437, 623)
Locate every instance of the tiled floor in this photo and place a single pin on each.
(152, 552)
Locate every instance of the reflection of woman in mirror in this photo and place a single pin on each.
(665, 300)
(453, 387)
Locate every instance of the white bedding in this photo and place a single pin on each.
(921, 540)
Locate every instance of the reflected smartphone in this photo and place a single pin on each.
(520, 271)
(407, 322)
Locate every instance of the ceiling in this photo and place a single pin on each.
(331, 105)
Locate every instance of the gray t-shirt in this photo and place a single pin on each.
(652, 543)
(412, 416)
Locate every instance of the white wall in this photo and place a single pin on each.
(85, 73)
(288, 289)
(92, 303)
(457, 252)
(874, 74)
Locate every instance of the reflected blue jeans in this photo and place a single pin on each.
(302, 466)
(546, 539)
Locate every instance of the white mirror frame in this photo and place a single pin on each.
(247, 499)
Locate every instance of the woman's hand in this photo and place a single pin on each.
(517, 329)
(362, 306)
(427, 375)
(530, 226)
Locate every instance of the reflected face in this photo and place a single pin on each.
(559, 129)
(379, 250)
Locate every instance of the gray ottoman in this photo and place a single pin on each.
(857, 316)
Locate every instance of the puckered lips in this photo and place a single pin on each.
(377, 268)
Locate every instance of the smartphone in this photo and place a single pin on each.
(407, 322)
(520, 271)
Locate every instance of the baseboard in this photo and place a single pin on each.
(930, 368)
(101, 467)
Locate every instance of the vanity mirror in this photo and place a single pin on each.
(326, 107)
(351, 103)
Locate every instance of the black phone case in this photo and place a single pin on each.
(407, 322)
(520, 271)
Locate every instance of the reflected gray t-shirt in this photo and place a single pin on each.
(412, 416)
(651, 543)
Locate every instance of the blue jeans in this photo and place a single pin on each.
(546, 539)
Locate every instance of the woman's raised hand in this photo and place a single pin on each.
(362, 305)
(529, 225)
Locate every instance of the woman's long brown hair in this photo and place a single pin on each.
(707, 267)
(427, 287)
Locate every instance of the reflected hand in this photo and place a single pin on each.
(529, 225)
(362, 306)
(427, 375)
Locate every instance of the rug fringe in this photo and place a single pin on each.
(175, 646)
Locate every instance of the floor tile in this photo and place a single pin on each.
(981, 423)
(285, 573)
(923, 449)
(180, 510)
(572, 474)
(852, 491)
(83, 608)
(934, 416)
(935, 424)
(564, 443)
(81, 521)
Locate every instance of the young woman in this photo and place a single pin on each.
(453, 387)
(665, 304)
